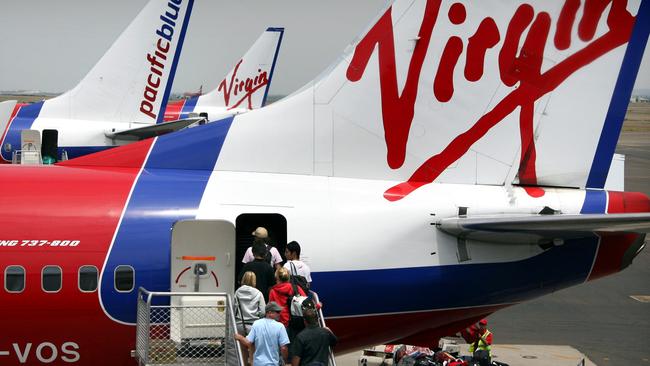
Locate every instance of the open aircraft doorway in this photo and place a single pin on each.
(275, 223)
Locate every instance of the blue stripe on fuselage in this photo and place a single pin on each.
(23, 120)
(169, 189)
(346, 293)
(595, 202)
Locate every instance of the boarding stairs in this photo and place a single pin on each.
(178, 328)
(190, 329)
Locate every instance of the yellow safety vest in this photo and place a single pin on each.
(481, 344)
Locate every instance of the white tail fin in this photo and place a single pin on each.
(6, 112)
(247, 84)
(462, 92)
(132, 81)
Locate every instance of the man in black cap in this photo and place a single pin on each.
(268, 337)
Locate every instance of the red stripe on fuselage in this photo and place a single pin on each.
(358, 332)
(127, 156)
(613, 246)
(62, 203)
(173, 110)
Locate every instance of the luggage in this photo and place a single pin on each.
(481, 357)
(297, 303)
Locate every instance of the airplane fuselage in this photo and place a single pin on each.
(364, 251)
(79, 137)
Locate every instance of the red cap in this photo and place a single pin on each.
(483, 322)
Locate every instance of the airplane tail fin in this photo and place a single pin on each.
(8, 109)
(464, 92)
(247, 85)
(132, 81)
(460, 92)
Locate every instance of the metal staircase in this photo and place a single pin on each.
(190, 329)
(186, 328)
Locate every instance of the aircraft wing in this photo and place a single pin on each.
(539, 229)
(141, 133)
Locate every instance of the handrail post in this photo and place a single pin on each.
(321, 321)
(233, 326)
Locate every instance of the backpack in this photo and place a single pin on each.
(268, 258)
(298, 280)
(296, 303)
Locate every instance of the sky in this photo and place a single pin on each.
(50, 45)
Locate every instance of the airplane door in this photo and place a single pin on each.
(203, 256)
(202, 261)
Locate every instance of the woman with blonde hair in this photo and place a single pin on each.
(281, 292)
(249, 303)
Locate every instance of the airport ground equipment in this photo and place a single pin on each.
(198, 330)
(376, 357)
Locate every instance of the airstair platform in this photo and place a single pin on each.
(186, 328)
(190, 329)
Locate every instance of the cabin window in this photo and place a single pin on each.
(124, 278)
(51, 278)
(88, 278)
(14, 279)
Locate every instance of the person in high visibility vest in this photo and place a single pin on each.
(478, 337)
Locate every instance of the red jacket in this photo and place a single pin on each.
(280, 293)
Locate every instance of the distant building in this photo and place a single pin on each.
(639, 99)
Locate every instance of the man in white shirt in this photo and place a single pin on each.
(294, 264)
(263, 234)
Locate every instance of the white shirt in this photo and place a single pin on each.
(301, 269)
(275, 255)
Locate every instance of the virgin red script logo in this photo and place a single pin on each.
(242, 88)
(523, 68)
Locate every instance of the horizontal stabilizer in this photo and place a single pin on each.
(141, 133)
(539, 229)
